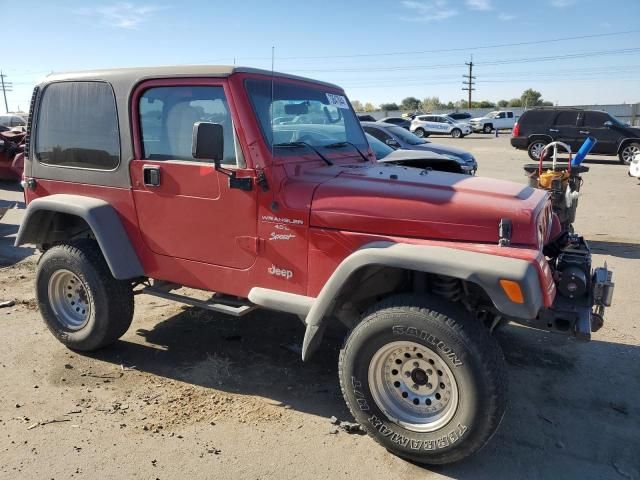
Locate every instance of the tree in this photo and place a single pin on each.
(531, 98)
(485, 104)
(515, 102)
(357, 105)
(431, 103)
(410, 103)
(503, 103)
(389, 107)
(368, 107)
(450, 105)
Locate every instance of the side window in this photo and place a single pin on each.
(595, 119)
(567, 118)
(167, 116)
(509, 114)
(377, 133)
(78, 126)
(501, 115)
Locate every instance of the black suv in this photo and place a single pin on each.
(540, 126)
(460, 116)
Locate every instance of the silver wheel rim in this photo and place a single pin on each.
(487, 129)
(68, 299)
(413, 386)
(456, 133)
(629, 152)
(419, 132)
(536, 149)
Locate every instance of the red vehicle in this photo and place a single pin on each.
(154, 178)
(11, 155)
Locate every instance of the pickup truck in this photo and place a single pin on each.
(499, 120)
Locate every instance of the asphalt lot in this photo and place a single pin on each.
(191, 394)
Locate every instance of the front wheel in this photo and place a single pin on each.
(80, 301)
(424, 379)
(456, 133)
(628, 153)
(420, 132)
(487, 128)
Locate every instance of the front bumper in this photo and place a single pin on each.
(582, 294)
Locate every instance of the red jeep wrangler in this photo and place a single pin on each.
(261, 187)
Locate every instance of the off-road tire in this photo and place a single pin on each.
(487, 128)
(466, 348)
(109, 301)
(456, 133)
(627, 152)
(536, 145)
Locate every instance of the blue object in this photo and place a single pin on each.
(586, 147)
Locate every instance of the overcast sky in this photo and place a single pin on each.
(378, 50)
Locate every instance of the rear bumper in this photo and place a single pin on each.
(521, 143)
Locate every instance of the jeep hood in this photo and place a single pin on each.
(408, 202)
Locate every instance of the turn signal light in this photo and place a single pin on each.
(512, 290)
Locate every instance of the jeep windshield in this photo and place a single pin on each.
(292, 115)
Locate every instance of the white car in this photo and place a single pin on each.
(501, 120)
(425, 125)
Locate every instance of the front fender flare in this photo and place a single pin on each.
(101, 217)
(482, 269)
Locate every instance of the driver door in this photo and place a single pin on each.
(186, 208)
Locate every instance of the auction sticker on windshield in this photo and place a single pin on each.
(337, 100)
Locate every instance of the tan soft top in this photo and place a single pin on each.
(136, 74)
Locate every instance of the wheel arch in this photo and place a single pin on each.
(538, 136)
(61, 217)
(484, 270)
(626, 141)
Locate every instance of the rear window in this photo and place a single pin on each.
(534, 117)
(78, 126)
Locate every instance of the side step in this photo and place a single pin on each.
(237, 310)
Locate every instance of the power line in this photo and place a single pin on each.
(458, 49)
(493, 62)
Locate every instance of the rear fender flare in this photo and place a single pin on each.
(482, 269)
(101, 217)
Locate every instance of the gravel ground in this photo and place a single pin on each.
(192, 394)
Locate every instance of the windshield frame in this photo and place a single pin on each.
(256, 89)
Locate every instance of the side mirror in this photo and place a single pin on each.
(608, 124)
(391, 142)
(207, 142)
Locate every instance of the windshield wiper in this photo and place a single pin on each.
(299, 144)
(344, 144)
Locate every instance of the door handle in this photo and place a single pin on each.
(151, 175)
(554, 130)
(584, 132)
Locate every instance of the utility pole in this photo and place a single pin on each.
(6, 87)
(469, 80)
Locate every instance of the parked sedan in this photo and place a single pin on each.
(412, 158)
(399, 121)
(398, 138)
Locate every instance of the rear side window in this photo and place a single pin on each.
(510, 114)
(377, 133)
(534, 117)
(78, 126)
(568, 118)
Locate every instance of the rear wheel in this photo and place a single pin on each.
(80, 301)
(456, 133)
(424, 379)
(535, 149)
(488, 128)
(628, 152)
